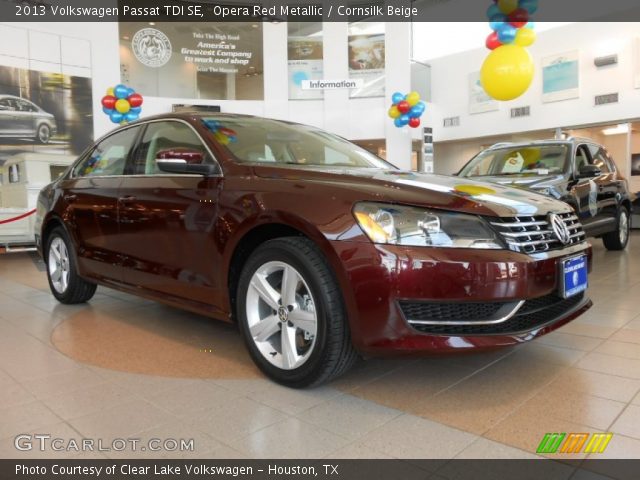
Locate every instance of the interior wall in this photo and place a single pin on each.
(450, 84)
(337, 113)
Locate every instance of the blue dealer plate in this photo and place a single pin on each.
(574, 276)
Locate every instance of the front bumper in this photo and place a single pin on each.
(386, 285)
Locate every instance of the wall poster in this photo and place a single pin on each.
(214, 60)
(44, 112)
(305, 58)
(561, 77)
(367, 58)
(479, 101)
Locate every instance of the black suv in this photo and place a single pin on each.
(577, 171)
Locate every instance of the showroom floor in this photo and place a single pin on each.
(122, 367)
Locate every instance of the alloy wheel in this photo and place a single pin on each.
(281, 315)
(623, 227)
(59, 265)
(44, 134)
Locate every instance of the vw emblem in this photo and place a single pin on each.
(283, 314)
(559, 228)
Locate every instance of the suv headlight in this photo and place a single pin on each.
(412, 226)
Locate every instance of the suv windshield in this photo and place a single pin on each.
(520, 160)
(271, 141)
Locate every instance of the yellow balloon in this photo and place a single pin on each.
(474, 190)
(110, 92)
(413, 98)
(507, 6)
(394, 112)
(507, 72)
(525, 37)
(123, 106)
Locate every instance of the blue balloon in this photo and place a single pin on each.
(507, 34)
(121, 91)
(530, 25)
(416, 111)
(130, 92)
(108, 111)
(497, 21)
(398, 122)
(131, 116)
(397, 97)
(135, 110)
(530, 6)
(116, 117)
(493, 10)
(404, 119)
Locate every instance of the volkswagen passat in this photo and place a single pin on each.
(319, 250)
(20, 118)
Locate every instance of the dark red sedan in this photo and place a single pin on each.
(316, 248)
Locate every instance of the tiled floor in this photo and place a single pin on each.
(121, 367)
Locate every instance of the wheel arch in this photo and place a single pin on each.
(250, 239)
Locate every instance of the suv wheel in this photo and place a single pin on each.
(291, 314)
(618, 239)
(62, 273)
(44, 133)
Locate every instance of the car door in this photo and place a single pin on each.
(90, 202)
(167, 221)
(25, 117)
(7, 117)
(608, 186)
(584, 190)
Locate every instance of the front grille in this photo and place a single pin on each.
(535, 235)
(532, 314)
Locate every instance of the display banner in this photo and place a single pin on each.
(302, 11)
(413, 469)
(220, 61)
(367, 59)
(44, 112)
(305, 54)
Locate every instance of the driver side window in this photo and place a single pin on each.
(582, 157)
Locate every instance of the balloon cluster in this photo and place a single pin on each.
(122, 104)
(507, 72)
(222, 134)
(406, 109)
(509, 20)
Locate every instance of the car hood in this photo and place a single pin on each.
(420, 189)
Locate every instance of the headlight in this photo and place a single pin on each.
(404, 225)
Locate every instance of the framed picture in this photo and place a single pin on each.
(479, 101)
(561, 77)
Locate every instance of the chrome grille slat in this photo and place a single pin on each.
(531, 235)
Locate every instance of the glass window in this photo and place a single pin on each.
(582, 157)
(24, 106)
(14, 173)
(262, 140)
(6, 104)
(109, 157)
(521, 160)
(168, 140)
(599, 159)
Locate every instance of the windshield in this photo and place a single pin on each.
(522, 160)
(273, 142)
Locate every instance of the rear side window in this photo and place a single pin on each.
(168, 140)
(109, 157)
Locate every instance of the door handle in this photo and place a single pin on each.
(127, 199)
(70, 198)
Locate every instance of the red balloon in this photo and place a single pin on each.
(519, 17)
(135, 100)
(404, 106)
(492, 41)
(109, 101)
(414, 122)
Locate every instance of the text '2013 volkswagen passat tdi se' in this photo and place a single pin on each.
(319, 250)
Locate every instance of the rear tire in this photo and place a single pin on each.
(44, 133)
(62, 272)
(291, 314)
(619, 238)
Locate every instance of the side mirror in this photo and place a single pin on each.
(184, 161)
(588, 171)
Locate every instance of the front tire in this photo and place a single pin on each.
(291, 314)
(618, 239)
(44, 133)
(62, 273)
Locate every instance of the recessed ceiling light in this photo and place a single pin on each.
(152, 23)
(617, 130)
(126, 37)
